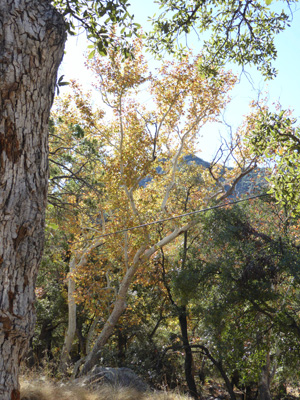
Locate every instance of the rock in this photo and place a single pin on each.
(120, 377)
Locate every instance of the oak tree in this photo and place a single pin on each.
(234, 31)
(276, 136)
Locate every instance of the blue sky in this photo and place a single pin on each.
(285, 87)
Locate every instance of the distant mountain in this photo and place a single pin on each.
(251, 184)
(199, 161)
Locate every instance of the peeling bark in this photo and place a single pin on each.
(77, 261)
(118, 309)
(32, 36)
(141, 256)
(71, 330)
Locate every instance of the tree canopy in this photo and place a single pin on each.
(234, 31)
(275, 136)
(98, 19)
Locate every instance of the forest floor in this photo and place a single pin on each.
(43, 389)
(217, 391)
(36, 386)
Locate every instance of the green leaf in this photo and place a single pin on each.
(91, 54)
(53, 226)
(63, 83)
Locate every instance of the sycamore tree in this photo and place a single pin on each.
(76, 188)
(145, 147)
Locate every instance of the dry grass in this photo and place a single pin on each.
(44, 390)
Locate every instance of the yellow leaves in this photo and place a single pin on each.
(143, 171)
(185, 100)
(117, 76)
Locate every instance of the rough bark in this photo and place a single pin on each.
(32, 36)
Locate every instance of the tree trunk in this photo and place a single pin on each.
(32, 36)
(264, 384)
(90, 334)
(188, 362)
(141, 256)
(226, 380)
(81, 337)
(71, 330)
(77, 261)
(118, 309)
(219, 366)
